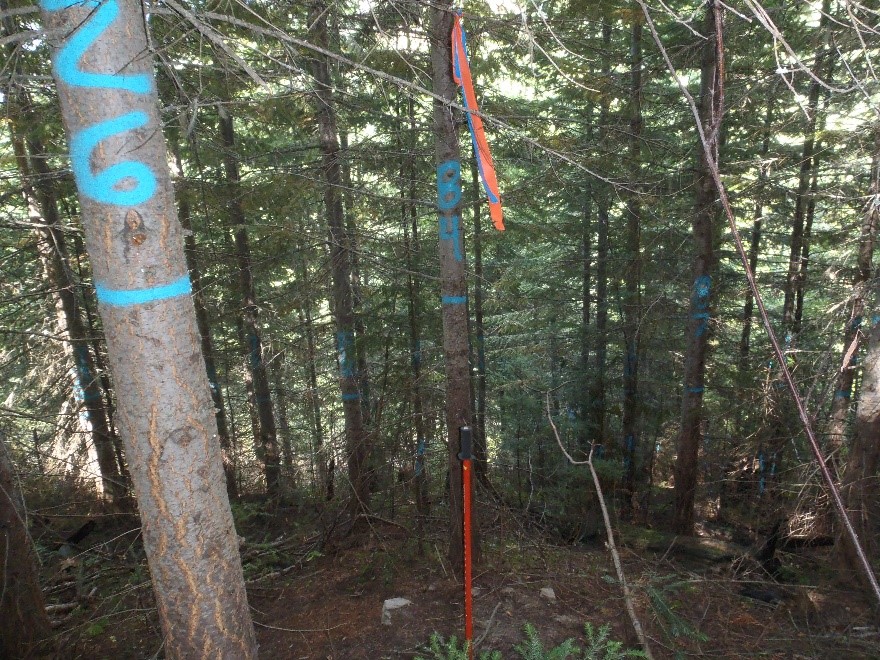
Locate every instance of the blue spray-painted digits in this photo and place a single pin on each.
(103, 187)
(68, 58)
(448, 185)
(450, 230)
(255, 354)
(700, 302)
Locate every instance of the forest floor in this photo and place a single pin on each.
(324, 600)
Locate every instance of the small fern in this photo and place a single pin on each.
(449, 650)
(600, 646)
(533, 648)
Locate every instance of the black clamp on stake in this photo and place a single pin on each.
(465, 443)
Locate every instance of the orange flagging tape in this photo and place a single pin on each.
(461, 71)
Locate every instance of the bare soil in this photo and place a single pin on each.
(316, 599)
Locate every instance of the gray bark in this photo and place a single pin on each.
(110, 110)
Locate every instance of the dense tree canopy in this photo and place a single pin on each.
(302, 139)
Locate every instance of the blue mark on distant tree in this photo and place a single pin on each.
(700, 303)
(345, 349)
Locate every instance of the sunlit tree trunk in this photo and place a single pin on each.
(110, 110)
(357, 444)
(690, 434)
(855, 331)
(453, 285)
(261, 397)
(195, 276)
(52, 248)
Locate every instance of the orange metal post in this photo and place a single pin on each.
(466, 463)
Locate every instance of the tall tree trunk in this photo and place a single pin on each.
(635, 462)
(755, 245)
(23, 621)
(43, 209)
(853, 336)
(110, 110)
(409, 220)
(586, 301)
(481, 457)
(690, 435)
(278, 373)
(207, 344)
(357, 445)
(796, 274)
(860, 490)
(453, 285)
(261, 399)
(602, 249)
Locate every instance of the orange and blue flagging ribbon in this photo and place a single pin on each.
(461, 71)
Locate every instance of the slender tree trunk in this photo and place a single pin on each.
(43, 208)
(195, 276)
(602, 249)
(860, 490)
(635, 462)
(357, 445)
(690, 435)
(586, 301)
(110, 109)
(453, 285)
(796, 268)
(261, 399)
(853, 336)
(23, 621)
(409, 219)
(278, 373)
(481, 457)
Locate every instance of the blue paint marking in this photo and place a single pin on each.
(255, 353)
(121, 298)
(842, 394)
(454, 300)
(450, 230)
(101, 187)
(630, 443)
(696, 390)
(875, 319)
(416, 356)
(67, 60)
(345, 348)
(448, 185)
(351, 396)
(700, 303)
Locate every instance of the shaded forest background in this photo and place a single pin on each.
(614, 304)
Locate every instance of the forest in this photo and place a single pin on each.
(407, 329)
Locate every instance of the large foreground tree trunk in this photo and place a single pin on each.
(109, 105)
(690, 434)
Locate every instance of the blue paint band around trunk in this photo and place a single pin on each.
(123, 298)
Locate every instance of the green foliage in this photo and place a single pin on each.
(600, 646)
(533, 649)
(675, 625)
(450, 650)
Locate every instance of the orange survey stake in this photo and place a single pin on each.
(461, 71)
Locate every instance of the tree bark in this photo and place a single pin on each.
(453, 285)
(854, 334)
(690, 434)
(110, 110)
(52, 249)
(635, 463)
(261, 399)
(599, 406)
(203, 324)
(23, 621)
(357, 444)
